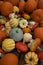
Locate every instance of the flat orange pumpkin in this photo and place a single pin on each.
(9, 59)
(38, 33)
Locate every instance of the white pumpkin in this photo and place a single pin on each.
(27, 37)
(23, 23)
(12, 15)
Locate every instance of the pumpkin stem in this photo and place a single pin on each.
(16, 31)
(30, 59)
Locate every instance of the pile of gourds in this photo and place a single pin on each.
(21, 29)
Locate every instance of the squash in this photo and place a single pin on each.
(1, 2)
(8, 8)
(16, 34)
(35, 44)
(9, 59)
(27, 37)
(23, 23)
(13, 22)
(21, 6)
(26, 30)
(37, 15)
(15, 9)
(40, 55)
(38, 33)
(8, 45)
(31, 58)
(26, 16)
(30, 6)
(21, 47)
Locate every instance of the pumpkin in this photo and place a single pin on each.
(21, 47)
(3, 35)
(16, 34)
(21, 6)
(8, 45)
(38, 33)
(31, 58)
(13, 22)
(26, 30)
(11, 15)
(8, 8)
(1, 2)
(40, 4)
(15, 9)
(26, 16)
(2, 20)
(9, 59)
(14, 2)
(27, 37)
(30, 5)
(23, 23)
(37, 15)
(35, 44)
(40, 55)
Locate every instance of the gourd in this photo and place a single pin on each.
(13, 22)
(16, 34)
(8, 45)
(31, 58)
(23, 23)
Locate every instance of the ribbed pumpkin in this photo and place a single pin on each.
(8, 8)
(30, 5)
(21, 7)
(9, 59)
(38, 33)
(31, 58)
(40, 4)
(14, 2)
(37, 15)
(1, 2)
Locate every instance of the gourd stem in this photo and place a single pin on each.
(39, 48)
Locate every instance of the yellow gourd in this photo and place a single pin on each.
(31, 58)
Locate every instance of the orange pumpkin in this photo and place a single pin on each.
(26, 30)
(37, 15)
(21, 6)
(30, 5)
(3, 35)
(9, 59)
(38, 33)
(1, 2)
(40, 4)
(14, 2)
(6, 8)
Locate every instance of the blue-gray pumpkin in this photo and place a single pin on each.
(16, 34)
